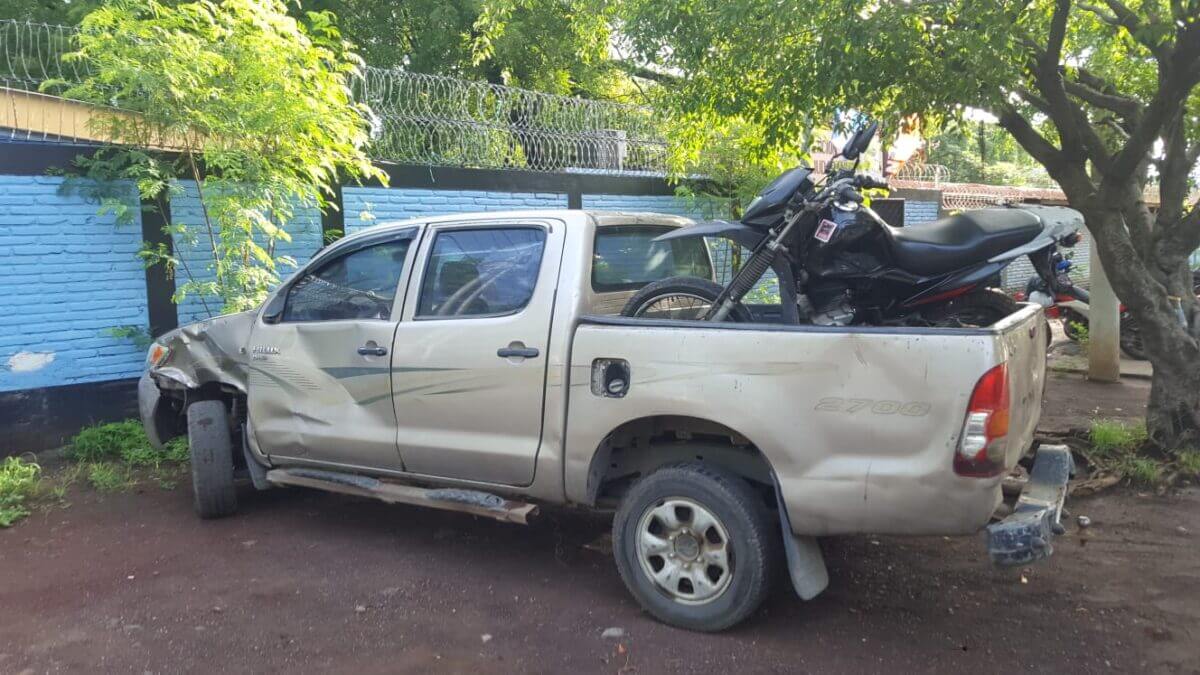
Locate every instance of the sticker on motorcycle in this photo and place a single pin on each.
(825, 230)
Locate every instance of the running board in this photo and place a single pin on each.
(450, 499)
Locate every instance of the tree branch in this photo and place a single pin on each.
(1178, 74)
(1034, 143)
(1123, 106)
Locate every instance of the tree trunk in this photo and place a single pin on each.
(1173, 412)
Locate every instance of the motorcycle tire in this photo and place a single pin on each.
(978, 309)
(1075, 325)
(1131, 338)
(645, 303)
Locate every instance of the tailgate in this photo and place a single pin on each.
(1022, 345)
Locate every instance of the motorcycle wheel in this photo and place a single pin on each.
(681, 299)
(1131, 338)
(976, 309)
(1075, 325)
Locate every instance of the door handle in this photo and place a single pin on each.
(372, 349)
(518, 352)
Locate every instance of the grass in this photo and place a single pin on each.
(124, 442)
(110, 476)
(1112, 438)
(1124, 450)
(19, 481)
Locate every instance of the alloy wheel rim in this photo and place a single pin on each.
(685, 550)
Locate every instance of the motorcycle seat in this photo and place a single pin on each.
(960, 240)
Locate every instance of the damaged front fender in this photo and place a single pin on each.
(206, 352)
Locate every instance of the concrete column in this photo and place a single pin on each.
(1104, 321)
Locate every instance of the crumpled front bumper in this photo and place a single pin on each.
(148, 400)
(1025, 535)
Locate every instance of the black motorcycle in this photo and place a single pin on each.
(838, 263)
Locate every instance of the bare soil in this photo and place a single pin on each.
(304, 581)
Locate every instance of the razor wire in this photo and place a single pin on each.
(416, 118)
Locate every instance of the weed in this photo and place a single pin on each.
(1189, 461)
(1142, 471)
(109, 477)
(1111, 438)
(125, 442)
(18, 482)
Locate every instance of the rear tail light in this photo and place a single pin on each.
(982, 446)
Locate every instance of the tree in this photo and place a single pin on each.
(1103, 95)
(250, 103)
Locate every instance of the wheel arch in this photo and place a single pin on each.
(637, 446)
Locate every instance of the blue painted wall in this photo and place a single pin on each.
(920, 212)
(66, 275)
(370, 206)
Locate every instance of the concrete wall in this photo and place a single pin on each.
(67, 276)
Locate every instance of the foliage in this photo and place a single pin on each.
(18, 483)
(110, 476)
(138, 334)
(1110, 437)
(124, 442)
(984, 153)
(1102, 95)
(258, 106)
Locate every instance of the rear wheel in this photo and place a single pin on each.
(1131, 338)
(695, 546)
(975, 309)
(211, 446)
(680, 298)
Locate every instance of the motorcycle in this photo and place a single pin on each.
(838, 263)
(1053, 289)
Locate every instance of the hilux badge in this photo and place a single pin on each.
(265, 349)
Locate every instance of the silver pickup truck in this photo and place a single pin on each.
(479, 363)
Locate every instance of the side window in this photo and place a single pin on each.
(357, 285)
(626, 257)
(481, 272)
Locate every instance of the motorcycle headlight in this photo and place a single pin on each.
(157, 355)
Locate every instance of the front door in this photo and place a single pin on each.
(320, 370)
(469, 365)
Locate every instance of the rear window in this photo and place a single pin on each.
(626, 257)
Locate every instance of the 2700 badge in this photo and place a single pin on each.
(873, 406)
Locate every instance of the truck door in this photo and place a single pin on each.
(319, 386)
(469, 364)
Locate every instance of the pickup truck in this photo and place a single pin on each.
(479, 363)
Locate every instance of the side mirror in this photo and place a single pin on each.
(860, 141)
(273, 311)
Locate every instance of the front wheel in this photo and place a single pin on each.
(211, 446)
(696, 546)
(680, 298)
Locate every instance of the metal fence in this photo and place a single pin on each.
(423, 119)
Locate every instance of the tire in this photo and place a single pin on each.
(978, 308)
(1131, 338)
(751, 545)
(692, 287)
(1074, 324)
(211, 446)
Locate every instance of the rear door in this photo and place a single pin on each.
(469, 365)
(320, 371)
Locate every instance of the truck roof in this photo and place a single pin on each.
(573, 217)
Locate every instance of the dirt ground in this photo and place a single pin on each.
(303, 581)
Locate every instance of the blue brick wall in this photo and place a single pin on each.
(920, 212)
(66, 275)
(370, 206)
(305, 230)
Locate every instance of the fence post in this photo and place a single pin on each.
(333, 217)
(160, 284)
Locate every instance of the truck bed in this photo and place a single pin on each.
(859, 424)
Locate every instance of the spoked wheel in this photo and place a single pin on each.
(681, 299)
(976, 309)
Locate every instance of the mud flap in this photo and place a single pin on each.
(806, 564)
(258, 473)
